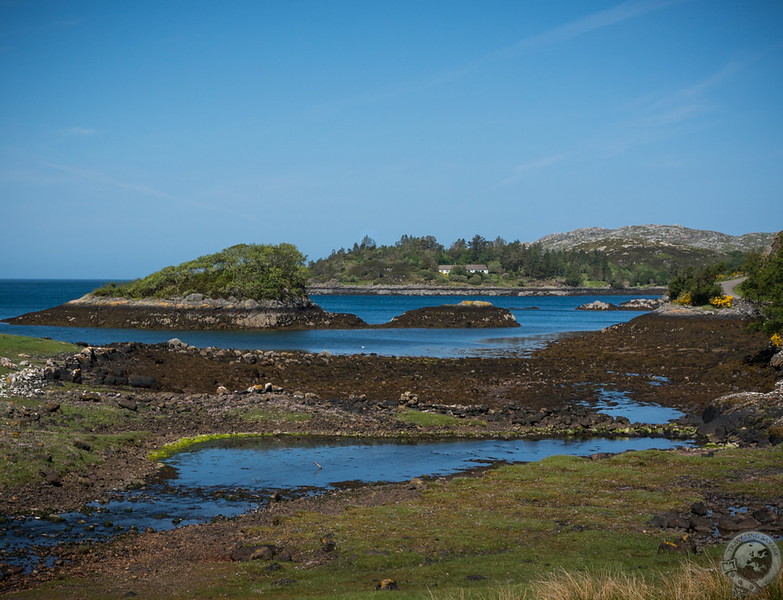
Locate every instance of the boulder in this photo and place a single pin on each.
(641, 304)
(255, 552)
(142, 381)
(597, 305)
(52, 478)
(128, 404)
(748, 418)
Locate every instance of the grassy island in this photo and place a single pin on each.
(244, 271)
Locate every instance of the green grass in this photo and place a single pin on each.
(512, 526)
(426, 419)
(514, 523)
(266, 415)
(34, 350)
(28, 447)
(184, 443)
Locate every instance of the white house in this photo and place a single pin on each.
(446, 269)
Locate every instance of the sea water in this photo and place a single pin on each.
(542, 319)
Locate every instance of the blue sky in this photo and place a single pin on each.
(134, 135)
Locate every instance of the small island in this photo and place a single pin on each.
(466, 314)
(247, 286)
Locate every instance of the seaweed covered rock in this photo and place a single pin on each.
(186, 313)
(465, 314)
(749, 418)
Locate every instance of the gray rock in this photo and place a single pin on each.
(765, 516)
(128, 403)
(699, 508)
(597, 305)
(701, 524)
(142, 381)
(256, 552)
(52, 478)
(777, 360)
(82, 445)
(641, 304)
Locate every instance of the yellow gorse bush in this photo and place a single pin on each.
(684, 299)
(776, 340)
(722, 301)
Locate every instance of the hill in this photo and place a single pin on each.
(629, 256)
(654, 236)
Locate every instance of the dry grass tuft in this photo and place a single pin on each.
(693, 582)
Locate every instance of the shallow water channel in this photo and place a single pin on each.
(230, 476)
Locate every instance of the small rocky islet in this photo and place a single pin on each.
(198, 312)
(247, 286)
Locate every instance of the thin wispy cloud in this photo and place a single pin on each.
(686, 103)
(533, 167)
(588, 24)
(656, 120)
(104, 179)
(625, 11)
(79, 131)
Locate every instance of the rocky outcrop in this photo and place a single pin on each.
(717, 518)
(197, 312)
(747, 418)
(655, 235)
(464, 315)
(640, 304)
(415, 289)
(192, 312)
(598, 305)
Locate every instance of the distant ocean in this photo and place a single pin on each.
(542, 319)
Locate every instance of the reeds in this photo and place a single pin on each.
(692, 582)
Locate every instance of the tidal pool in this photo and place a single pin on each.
(616, 403)
(227, 477)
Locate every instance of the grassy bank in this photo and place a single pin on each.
(35, 351)
(38, 435)
(573, 523)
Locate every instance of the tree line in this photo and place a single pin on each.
(415, 259)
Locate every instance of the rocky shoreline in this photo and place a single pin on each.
(175, 390)
(343, 289)
(192, 312)
(714, 370)
(197, 312)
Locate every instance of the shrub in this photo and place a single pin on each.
(244, 271)
(765, 286)
(722, 301)
(684, 299)
(700, 286)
